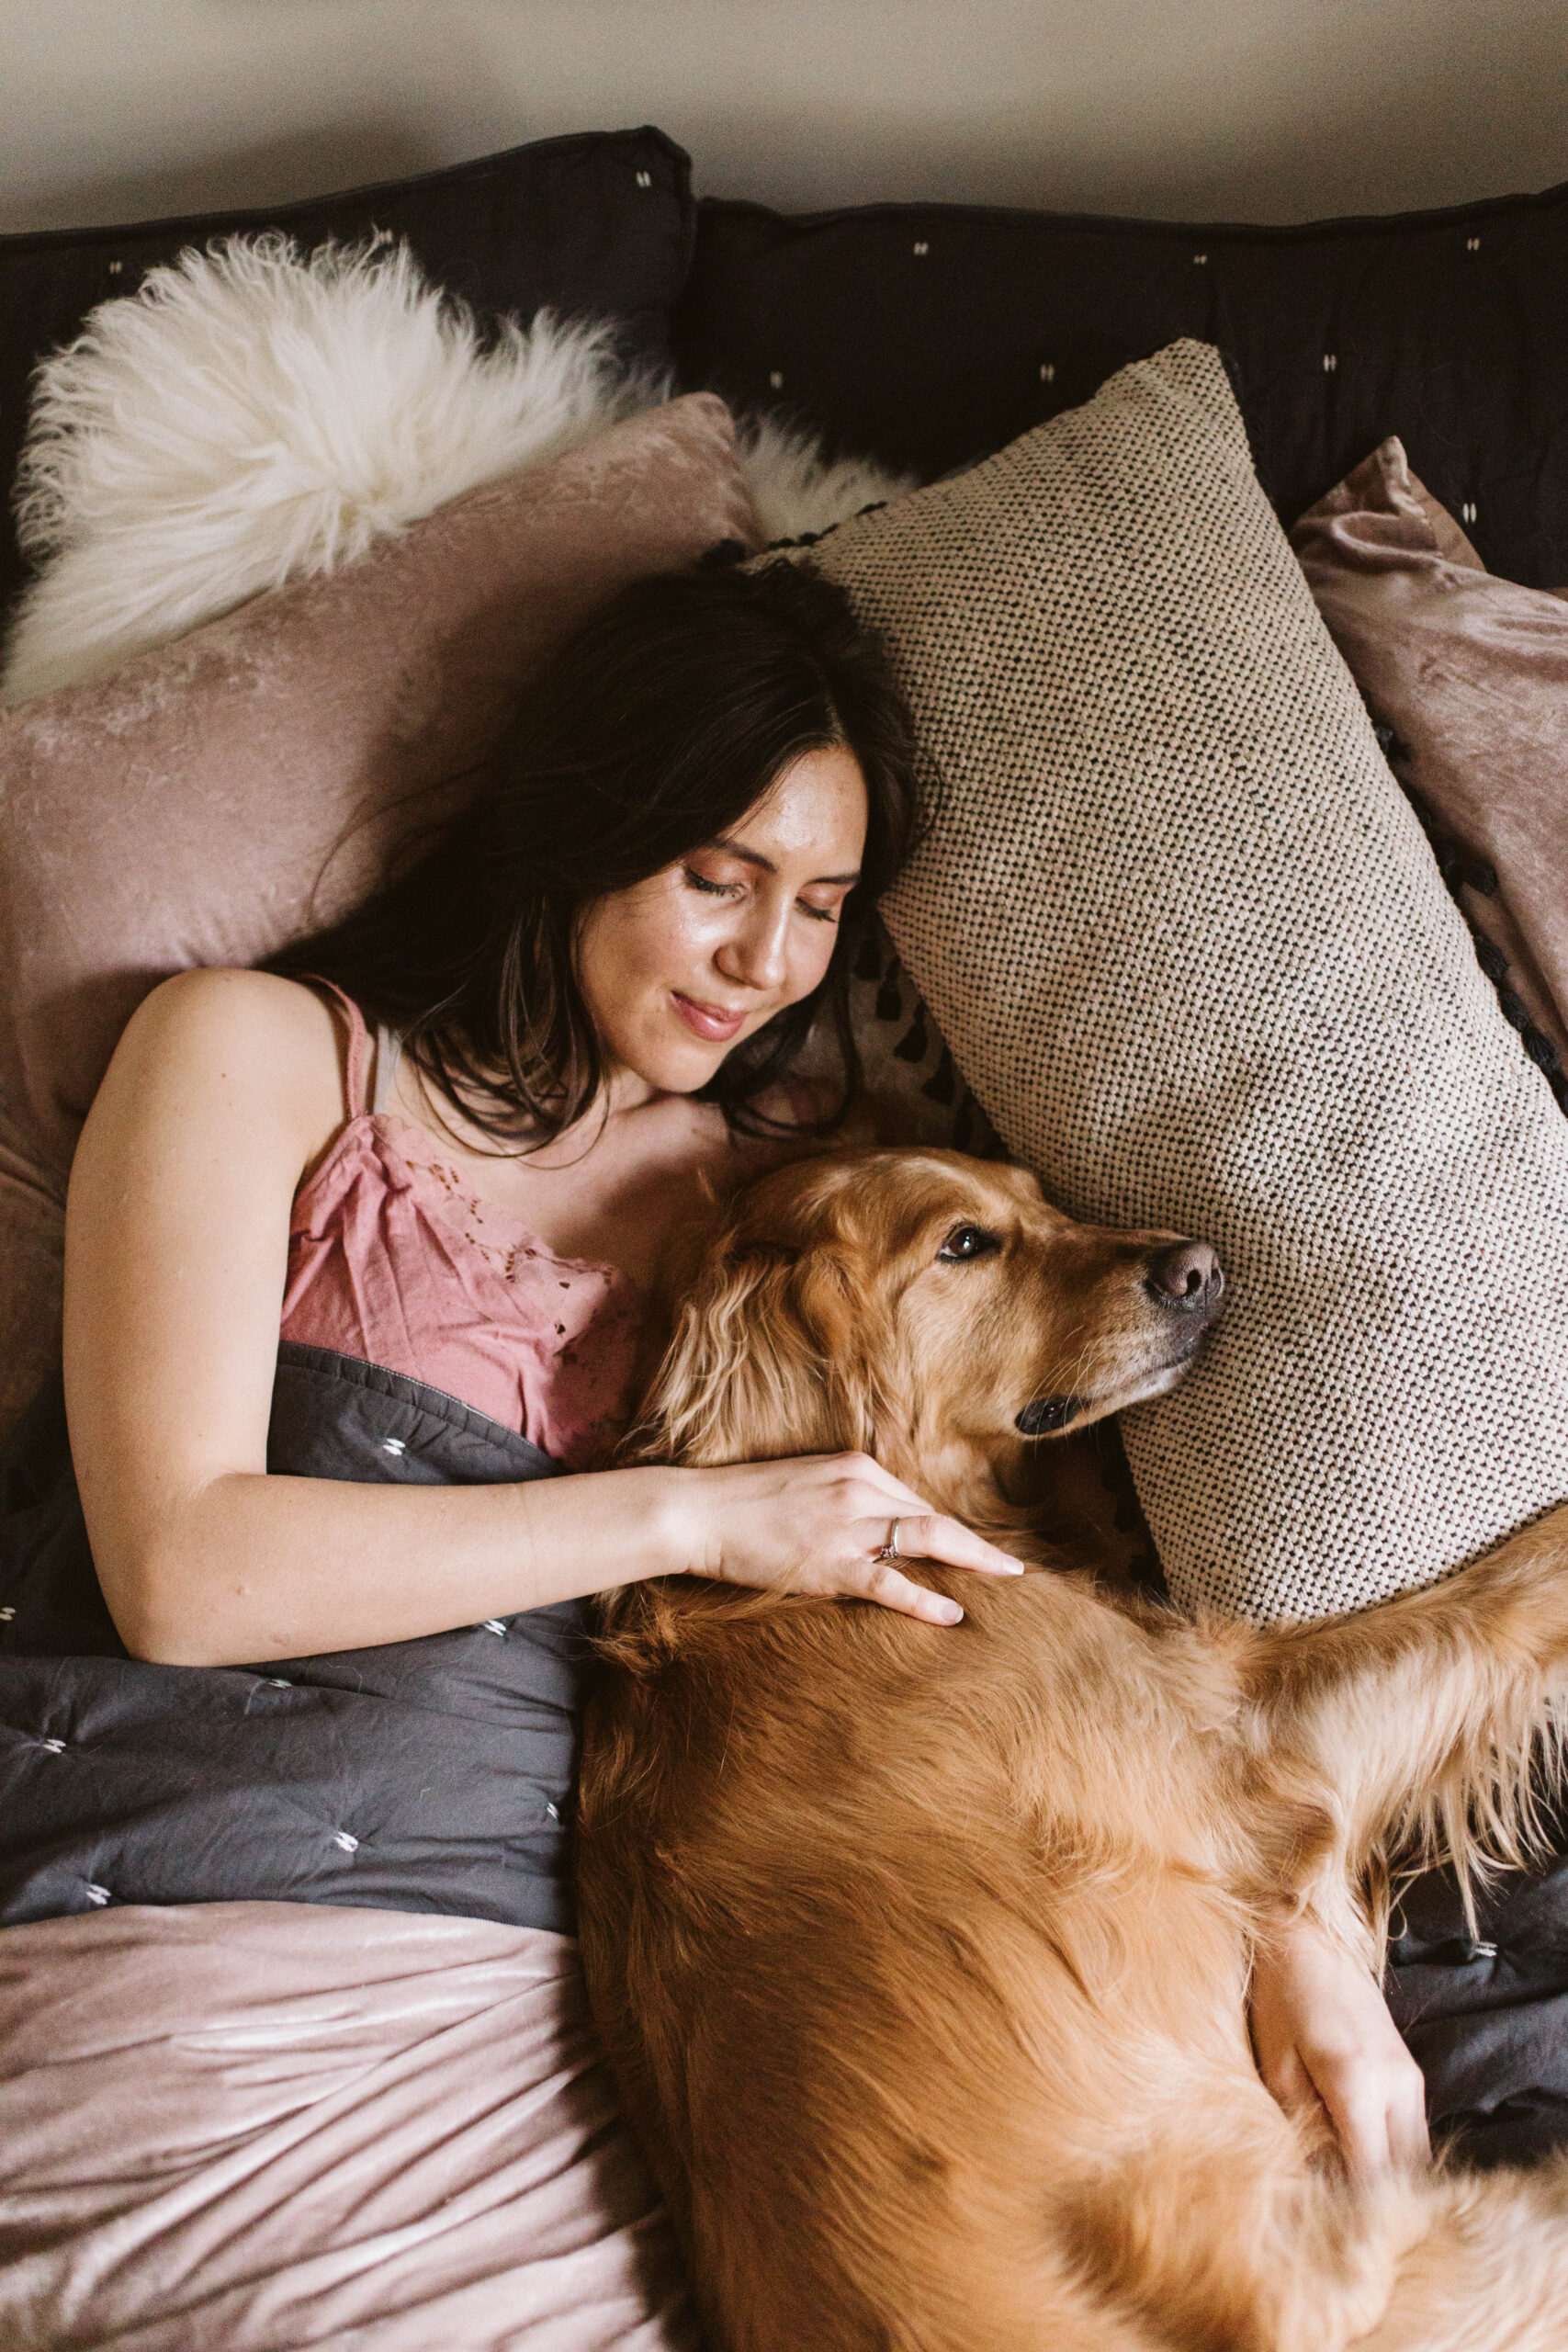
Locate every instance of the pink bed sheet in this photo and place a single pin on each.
(254, 2127)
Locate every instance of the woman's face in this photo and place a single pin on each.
(678, 970)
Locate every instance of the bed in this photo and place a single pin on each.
(292, 2044)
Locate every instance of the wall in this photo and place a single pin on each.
(1259, 110)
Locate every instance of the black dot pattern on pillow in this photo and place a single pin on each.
(914, 1090)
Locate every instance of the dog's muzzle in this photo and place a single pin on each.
(1047, 1413)
(1186, 1279)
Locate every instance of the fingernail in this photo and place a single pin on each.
(948, 1613)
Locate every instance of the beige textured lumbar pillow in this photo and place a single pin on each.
(1187, 943)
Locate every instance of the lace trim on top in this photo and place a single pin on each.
(393, 1259)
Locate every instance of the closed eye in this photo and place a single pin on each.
(714, 889)
(734, 889)
(966, 1241)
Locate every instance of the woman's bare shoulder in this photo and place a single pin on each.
(223, 1001)
(224, 1010)
(250, 1035)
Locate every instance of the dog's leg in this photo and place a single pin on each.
(1411, 1726)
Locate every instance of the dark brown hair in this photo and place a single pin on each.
(655, 730)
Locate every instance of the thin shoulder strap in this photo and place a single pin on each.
(358, 1043)
(389, 1053)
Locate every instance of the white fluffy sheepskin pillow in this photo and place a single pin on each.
(252, 415)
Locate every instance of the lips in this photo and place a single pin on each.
(710, 1022)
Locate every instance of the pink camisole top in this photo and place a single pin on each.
(391, 1260)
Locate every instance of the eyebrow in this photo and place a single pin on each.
(755, 857)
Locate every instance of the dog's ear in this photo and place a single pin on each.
(769, 1357)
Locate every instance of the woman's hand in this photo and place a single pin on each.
(1324, 2038)
(815, 1524)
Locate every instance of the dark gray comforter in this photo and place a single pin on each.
(433, 1775)
(1487, 2015)
(437, 1775)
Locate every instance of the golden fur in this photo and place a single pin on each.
(922, 1954)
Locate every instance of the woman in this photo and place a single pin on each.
(588, 997)
(597, 979)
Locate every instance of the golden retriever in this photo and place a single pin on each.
(922, 1955)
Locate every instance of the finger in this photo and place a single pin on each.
(855, 1472)
(1410, 2142)
(1359, 2117)
(866, 1469)
(882, 1583)
(928, 1536)
(919, 1526)
(861, 1471)
(1289, 2083)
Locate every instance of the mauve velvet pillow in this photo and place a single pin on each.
(1470, 675)
(218, 798)
(32, 1244)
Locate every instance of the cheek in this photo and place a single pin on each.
(809, 953)
(1000, 1339)
(652, 934)
(965, 1323)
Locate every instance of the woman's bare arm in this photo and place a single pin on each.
(225, 1090)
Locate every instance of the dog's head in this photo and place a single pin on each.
(925, 1307)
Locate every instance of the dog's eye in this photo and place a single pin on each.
(968, 1241)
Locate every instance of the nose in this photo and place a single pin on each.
(1186, 1277)
(755, 955)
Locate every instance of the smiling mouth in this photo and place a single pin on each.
(711, 1021)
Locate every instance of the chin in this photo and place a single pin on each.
(688, 1079)
(671, 1065)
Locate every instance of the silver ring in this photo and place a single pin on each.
(890, 1549)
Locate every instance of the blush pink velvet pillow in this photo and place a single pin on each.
(1469, 672)
(220, 797)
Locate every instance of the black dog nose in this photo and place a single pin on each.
(1187, 1277)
